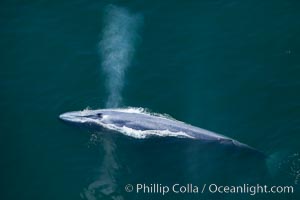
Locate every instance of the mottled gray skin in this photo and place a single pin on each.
(144, 121)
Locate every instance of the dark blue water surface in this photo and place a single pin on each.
(228, 66)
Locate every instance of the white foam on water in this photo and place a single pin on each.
(139, 134)
(117, 49)
(143, 134)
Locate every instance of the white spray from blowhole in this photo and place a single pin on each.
(117, 47)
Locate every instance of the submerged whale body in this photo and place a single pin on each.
(138, 123)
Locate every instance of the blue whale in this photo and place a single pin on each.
(138, 123)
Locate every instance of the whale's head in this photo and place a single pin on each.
(85, 118)
(102, 118)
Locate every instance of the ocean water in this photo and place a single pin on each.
(231, 67)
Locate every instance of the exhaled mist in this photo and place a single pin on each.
(117, 49)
